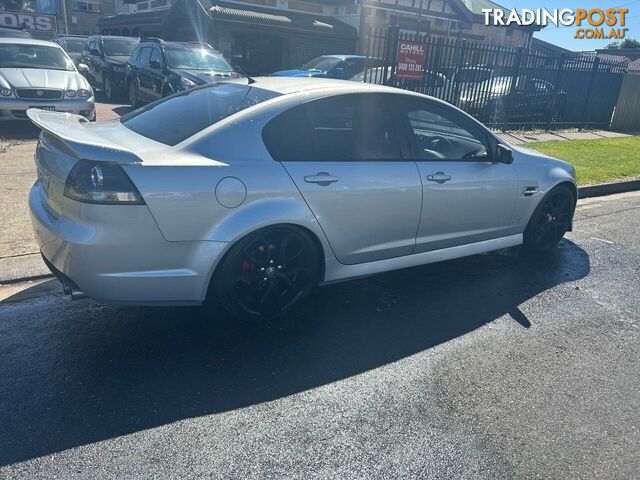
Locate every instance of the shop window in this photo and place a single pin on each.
(87, 5)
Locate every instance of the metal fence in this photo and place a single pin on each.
(503, 87)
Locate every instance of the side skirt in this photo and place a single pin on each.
(336, 271)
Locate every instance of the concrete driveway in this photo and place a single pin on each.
(496, 366)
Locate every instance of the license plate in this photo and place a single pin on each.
(50, 109)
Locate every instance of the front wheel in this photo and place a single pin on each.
(268, 273)
(550, 221)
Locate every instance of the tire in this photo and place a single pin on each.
(550, 220)
(268, 273)
(133, 95)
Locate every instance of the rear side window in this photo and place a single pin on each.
(176, 118)
(344, 128)
(145, 56)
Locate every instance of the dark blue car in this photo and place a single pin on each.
(332, 66)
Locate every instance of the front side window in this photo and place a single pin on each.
(145, 56)
(343, 128)
(155, 56)
(439, 133)
(119, 47)
(196, 59)
(205, 106)
(34, 56)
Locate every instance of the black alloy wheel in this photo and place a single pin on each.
(268, 273)
(550, 221)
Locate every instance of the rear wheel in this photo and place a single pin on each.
(268, 273)
(550, 221)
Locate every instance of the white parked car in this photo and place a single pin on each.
(39, 74)
(254, 194)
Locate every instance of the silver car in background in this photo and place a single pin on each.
(254, 194)
(39, 74)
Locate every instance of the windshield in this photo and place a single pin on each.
(321, 64)
(34, 56)
(199, 59)
(166, 122)
(8, 33)
(74, 45)
(119, 47)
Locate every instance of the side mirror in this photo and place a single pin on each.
(504, 154)
(155, 64)
(82, 68)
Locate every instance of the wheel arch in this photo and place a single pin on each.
(313, 235)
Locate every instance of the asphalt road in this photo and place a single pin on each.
(497, 366)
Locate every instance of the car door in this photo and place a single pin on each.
(87, 59)
(344, 155)
(467, 197)
(97, 58)
(156, 74)
(145, 85)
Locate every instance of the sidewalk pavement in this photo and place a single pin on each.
(522, 137)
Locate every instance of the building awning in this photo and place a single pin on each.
(139, 18)
(288, 20)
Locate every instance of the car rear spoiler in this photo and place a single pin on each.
(75, 132)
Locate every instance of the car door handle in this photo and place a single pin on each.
(323, 179)
(439, 177)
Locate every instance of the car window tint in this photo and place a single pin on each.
(339, 129)
(155, 55)
(145, 56)
(134, 56)
(439, 133)
(205, 106)
(288, 136)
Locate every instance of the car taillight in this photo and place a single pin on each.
(101, 182)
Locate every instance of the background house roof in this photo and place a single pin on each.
(254, 14)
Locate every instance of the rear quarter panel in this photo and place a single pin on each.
(183, 199)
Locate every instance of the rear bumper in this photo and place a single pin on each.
(117, 254)
(16, 108)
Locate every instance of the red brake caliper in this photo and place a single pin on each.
(246, 267)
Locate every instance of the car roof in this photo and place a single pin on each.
(343, 57)
(113, 36)
(286, 85)
(28, 41)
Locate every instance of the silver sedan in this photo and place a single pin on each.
(254, 194)
(39, 74)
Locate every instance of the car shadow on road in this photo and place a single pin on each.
(74, 373)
